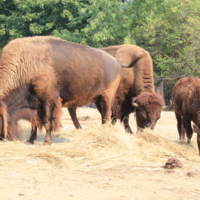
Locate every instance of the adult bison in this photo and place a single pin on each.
(136, 88)
(60, 73)
(186, 95)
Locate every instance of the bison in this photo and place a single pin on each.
(136, 88)
(186, 95)
(59, 73)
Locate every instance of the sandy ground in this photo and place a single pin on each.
(138, 182)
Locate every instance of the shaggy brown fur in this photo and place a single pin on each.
(56, 68)
(136, 82)
(24, 62)
(21, 104)
(186, 95)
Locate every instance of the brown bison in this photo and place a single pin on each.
(136, 88)
(60, 73)
(186, 95)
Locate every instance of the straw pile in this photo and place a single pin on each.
(97, 148)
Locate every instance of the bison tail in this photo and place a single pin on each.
(134, 61)
(3, 114)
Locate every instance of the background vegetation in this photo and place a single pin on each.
(168, 29)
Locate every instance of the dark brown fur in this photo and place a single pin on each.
(136, 82)
(57, 71)
(23, 106)
(186, 95)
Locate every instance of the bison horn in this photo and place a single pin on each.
(165, 107)
(169, 106)
(134, 104)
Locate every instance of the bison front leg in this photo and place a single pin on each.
(125, 120)
(49, 113)
(100, 107)
(104, 107)
(198, 142)
(188, 129)
(104, 102)
(113, 119)
(33, 135)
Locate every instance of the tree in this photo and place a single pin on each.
(169, 30)
(39, 17)
(105, 24)
(90, 22)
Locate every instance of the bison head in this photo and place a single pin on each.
(148, 108)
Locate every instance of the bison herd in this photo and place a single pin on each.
(40, 75)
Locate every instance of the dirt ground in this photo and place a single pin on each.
(140, 181)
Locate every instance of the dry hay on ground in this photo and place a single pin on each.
(98, 148)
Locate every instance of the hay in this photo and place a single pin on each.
(97, 148)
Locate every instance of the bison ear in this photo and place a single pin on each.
(134, 104)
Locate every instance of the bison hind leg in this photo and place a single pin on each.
(188, 129)
(180, 127)
(72, 112)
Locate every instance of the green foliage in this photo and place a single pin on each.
(102, 22)
(168, 29)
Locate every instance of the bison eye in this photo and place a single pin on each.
(143, 115)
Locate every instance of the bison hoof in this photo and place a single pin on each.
(47, 142)
(188, 141)
(2, 139)
(30, 142)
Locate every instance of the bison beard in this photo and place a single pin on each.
(186, 96)
(60, 73)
